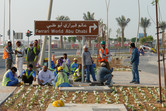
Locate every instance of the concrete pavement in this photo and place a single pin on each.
(88, 107)
(122, 78)
(5, 92)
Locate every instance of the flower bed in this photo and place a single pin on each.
(37, 98)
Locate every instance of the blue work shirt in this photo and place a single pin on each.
(55, 72)
(52, 64)
(10, 76)
(94, 65)
(33, 74)
(74, 66)
(135, 57)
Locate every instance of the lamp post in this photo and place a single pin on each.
(45, 40)
(107, 8)
(9, 20)
(138, 22)
(4, 23)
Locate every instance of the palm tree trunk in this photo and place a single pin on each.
(144, 32)
(122, 40)
(61, 42)
(163, 38)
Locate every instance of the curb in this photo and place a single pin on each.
(8, 96)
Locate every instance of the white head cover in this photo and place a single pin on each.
(85, 46)
(103, 64)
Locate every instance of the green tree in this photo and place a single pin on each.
(89, 16)
(162, 26)
(134, 39)
(69, 39)
(73, 39)
(122, 22)
(62, 18)
(150, 39)
(119, 39)
(145, 23)
(142, 40)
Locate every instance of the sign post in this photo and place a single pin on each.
(75, 28)
(83, 70)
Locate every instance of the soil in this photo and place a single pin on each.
(150, 105)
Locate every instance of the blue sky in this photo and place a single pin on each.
(24, 12)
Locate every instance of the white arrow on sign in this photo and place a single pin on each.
(94, 26)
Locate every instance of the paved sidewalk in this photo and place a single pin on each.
(5, 92)
(146, 79)
(88, 107)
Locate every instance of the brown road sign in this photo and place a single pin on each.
(83, 28)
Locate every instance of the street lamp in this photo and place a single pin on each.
(4, 25)
(9, 20)
(107, 38)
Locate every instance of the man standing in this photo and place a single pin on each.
(31, 56)
(45, 76)
(87, 63)
(135, 63)
(8, 55)
(19, 52)
(104, 54)
(28, 75)
(104, 75)
(9, 78)
(36, 45)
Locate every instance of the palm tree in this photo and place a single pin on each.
(118, 33)
(89, 16)
(63, 18)
(145, 23)
(162, 26)
(103, 29)
(122, 22)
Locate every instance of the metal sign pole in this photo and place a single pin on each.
(83, 70)
(49, 52)
(28, 42)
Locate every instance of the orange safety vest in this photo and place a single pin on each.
(5, 54)
(105, 59)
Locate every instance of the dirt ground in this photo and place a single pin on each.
(134, 98)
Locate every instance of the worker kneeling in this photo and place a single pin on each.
(9, 78)
(28, 75)
(104, 75)
(61, 80)
(77, 76)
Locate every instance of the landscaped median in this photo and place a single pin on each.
(38, 98)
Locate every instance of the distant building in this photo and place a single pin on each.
(141, 35)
